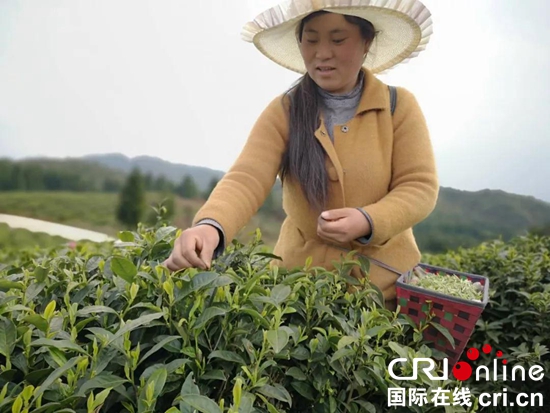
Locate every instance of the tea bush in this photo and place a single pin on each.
(107, 328)
(517, 318)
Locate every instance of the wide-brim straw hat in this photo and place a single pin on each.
(403, 30)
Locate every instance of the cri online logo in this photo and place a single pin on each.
(463, 370)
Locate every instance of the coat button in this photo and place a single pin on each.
(345, 129)
(332, 174)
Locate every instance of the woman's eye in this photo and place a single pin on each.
(311, 41)
(338, 41)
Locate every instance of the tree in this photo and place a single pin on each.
(187, 188)
(162, 184)
(132, 200)
(149, 181)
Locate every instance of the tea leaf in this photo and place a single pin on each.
(304, 389)
(126, 236)
(124, 268)
(8, 336)
(207, 315)
(40, 273)
(227, 356)
(56, 374)
(6, 285)
(444, 331)
(95, 309)
(159, 379)
(103, 380)
(276, 392)
(38, 321)
(60, 344)
(201, 403)
(346, 341)
(199, 281)
(343, 352)
(278, 339)
(296, 373)
(134, 324)
(214, 375)
(158, 346)
(280, 293)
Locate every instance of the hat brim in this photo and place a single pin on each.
(403, 30)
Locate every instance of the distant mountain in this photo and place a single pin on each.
(157, 167)
(461, 218)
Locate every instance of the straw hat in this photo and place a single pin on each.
(404, 28)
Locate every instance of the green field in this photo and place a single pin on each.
(96, 211)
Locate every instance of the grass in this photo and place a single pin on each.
(96, 211)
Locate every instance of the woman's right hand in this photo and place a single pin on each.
(194, 248)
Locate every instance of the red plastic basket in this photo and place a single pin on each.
(457, 315)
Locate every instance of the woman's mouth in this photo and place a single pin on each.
(325, 71)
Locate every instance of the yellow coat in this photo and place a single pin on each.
(383, 164)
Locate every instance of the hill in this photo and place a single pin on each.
(461, 218)
(157, 167)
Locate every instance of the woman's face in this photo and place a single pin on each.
(333, 52)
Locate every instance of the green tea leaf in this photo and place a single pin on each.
(40, 273)
(8, 336)
(280, 293)
(60, 344)
(343, 352)
(256, 316)
(346, 341)
(214, 375)
(227, 356)
(278, 339)
(296, 373)
(56, 374)
(6, 285)
(103, 380)
(304, 389)
(38, 321)
(444, 331)
(95, 309)
(135, 324)
(276, 392)
(199, 281)
(158, 346)
(124, 268)
(365, 406)
(201, 403)
(159, 378)
(126, 236)
(207, 315)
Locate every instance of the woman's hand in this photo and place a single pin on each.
(194, 248)
(342, 225)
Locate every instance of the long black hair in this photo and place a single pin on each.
(304, 158)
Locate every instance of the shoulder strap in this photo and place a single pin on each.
(393, 98)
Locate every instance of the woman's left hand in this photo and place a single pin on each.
(342, 225)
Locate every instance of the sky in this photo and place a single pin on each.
(173, 79)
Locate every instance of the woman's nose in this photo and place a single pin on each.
(324, 51)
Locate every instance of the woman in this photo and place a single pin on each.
(355, 177)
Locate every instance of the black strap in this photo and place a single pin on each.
(393, 98)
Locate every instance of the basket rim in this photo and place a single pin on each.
(400, 283)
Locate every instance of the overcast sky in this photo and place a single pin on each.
(173, 79)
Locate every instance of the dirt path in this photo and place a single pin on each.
(51, 228)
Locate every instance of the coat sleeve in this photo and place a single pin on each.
(414, 186)
(246, 185)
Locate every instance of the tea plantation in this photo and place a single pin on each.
(106, 328)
